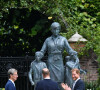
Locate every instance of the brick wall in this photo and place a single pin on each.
(90, 64)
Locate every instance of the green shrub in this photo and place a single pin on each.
(93, 85)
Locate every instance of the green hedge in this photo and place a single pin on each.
(93, 85)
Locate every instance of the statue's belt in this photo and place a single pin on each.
(55, 53)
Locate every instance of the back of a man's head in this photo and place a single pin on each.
(45, 72)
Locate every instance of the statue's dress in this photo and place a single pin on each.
(55, 48)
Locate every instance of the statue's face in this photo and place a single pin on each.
(38, 57)
(55, 30)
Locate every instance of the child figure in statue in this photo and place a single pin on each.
(35, 73)
(72, 61)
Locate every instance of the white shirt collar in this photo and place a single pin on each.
(12, 82)
(75, 82)
(47, 78)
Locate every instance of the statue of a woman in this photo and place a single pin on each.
(55, 46)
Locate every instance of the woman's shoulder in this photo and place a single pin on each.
(48, 38)
(62, 37)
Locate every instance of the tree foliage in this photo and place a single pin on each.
(74, 15)
(82, 16)
(22, 31)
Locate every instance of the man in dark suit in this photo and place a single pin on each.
(12, 75)
(47, 83)
(78, 83)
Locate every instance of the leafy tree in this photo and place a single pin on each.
(22, 31)
(74, 15)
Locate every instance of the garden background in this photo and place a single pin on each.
(25, 24)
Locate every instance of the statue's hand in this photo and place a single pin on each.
(32, 83)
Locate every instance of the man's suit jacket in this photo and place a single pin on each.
(47, 84)
(79, 85)
(10, 86)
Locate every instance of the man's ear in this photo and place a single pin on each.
(10, 75)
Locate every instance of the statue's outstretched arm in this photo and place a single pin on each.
(67, 47)
(44, 47)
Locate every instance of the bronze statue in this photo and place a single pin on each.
(72, 62)
(35, 73)
(55, 46)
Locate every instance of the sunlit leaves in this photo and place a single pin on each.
(74, 15)
(16, 26)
